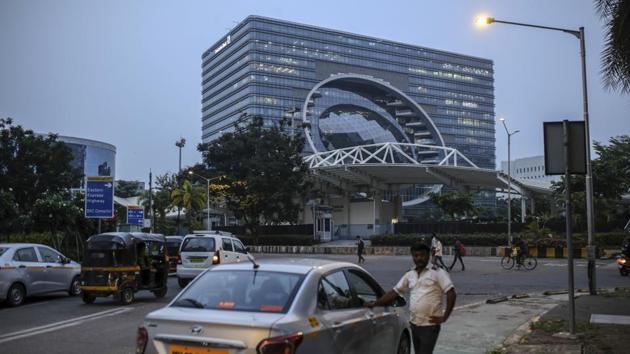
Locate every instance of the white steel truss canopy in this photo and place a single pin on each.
(384, 166)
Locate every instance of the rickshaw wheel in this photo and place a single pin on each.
(160, 293)
(125, 296)
(88, 298)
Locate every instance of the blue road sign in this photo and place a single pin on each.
(99, 197)
(135, 215)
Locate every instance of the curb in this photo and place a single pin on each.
(497, 300)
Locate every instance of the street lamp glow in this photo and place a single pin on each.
(483, 20)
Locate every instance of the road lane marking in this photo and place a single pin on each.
(61, 324)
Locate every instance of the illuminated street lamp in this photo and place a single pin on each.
(579, 34)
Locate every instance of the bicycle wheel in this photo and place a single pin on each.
(507, 263)
(530, 263)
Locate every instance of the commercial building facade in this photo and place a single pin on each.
(93, 158)
(269, 67)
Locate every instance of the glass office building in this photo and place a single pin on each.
(269, 67)
(93, 158)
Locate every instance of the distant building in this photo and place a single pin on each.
(352, 89)
(529, 169)
(93, 158)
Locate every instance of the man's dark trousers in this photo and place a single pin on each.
(424, 338)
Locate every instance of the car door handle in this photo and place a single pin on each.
(21, 266)
(48, 266)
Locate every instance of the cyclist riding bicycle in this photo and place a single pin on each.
(522, 251)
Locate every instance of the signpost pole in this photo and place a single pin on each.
(567, 189)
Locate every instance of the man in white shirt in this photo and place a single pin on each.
(426, 286)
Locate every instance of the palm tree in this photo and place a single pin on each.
(616, 54)
(192, 198)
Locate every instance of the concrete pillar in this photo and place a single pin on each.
(346, 204)
(377, 197)
(523, 209)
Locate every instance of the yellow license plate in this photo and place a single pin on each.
(184, 349)
(196, 260)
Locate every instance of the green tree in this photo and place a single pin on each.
(31, 166)
(264, 178)
(611, 179)
(55, 212)
(453, 203)
(192, 198)
(126, 189)
(616, 53)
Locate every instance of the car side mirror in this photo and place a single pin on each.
(398, 302)
(64, 260)
(247, 249)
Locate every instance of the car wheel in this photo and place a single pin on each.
(125, 296)
(160, 293)
(16, 295)
(624, 272)
(88, 298)
(182, 282)
(75, 287)
(404, 345)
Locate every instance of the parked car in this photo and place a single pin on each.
(28, 269)
(205, 249)
(173, 243)
(289, 306)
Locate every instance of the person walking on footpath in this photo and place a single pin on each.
(426, 285)
(436, 250)
(458, 253)
(360, 249)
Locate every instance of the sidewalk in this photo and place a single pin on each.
(481, 327)
(549, 334)
(538, 324)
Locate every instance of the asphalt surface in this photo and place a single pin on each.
(62, 324)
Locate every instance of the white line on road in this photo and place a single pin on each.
(61, 324)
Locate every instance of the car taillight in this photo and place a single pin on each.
(216, 259)
(141, 340)
(280, 345)
(621, 260)
(179, 259)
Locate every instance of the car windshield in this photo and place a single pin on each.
(198, 244)
(246, 290)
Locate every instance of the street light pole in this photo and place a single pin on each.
(207, 196)
(180, 144)
(590, 221)
(509, 221)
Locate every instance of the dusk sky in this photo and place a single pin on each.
(129, 72)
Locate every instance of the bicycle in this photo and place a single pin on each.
(528, 262)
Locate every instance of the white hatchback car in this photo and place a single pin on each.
(204, 249)
(29, 269)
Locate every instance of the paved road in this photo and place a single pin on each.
(61, 324)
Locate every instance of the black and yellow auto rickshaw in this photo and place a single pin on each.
(122, 263)
(172, 245)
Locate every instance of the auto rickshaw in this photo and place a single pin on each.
(172, 245)
(123, 263)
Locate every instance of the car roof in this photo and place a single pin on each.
(211, 233)
(289, 265)
(21, 244)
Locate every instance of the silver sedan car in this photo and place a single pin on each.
(283, 306)
(29, 269)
